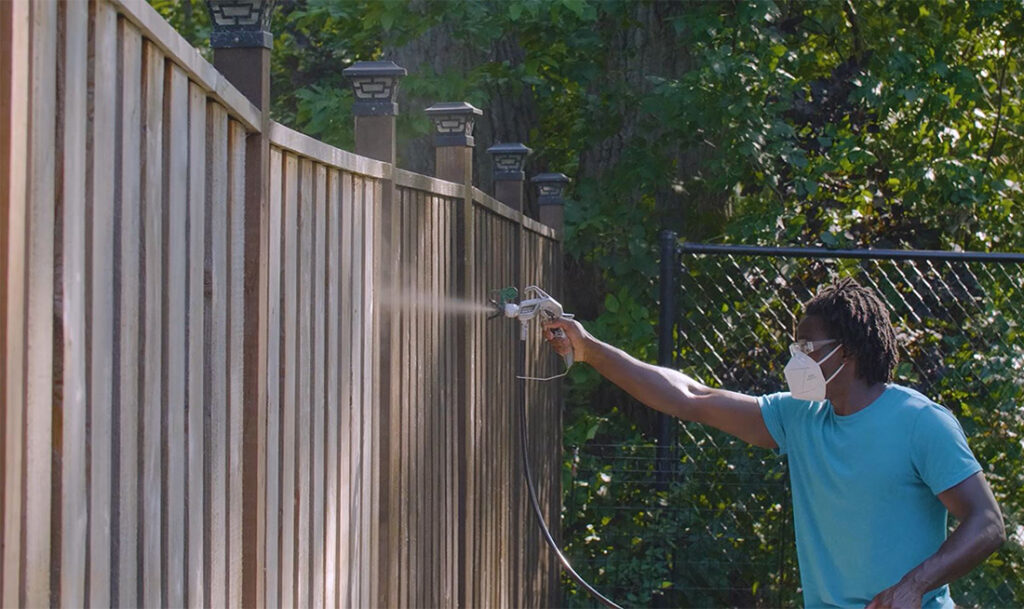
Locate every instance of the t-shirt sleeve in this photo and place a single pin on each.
(939, 450)
(772, 412)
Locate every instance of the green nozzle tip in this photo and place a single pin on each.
(502, 296)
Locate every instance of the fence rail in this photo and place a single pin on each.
(238, 366)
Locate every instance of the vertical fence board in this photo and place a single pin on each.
(359, 420)
(370, 363)
(39, 325)
(152, 357)
(236, 365)
(389, 260)
(431, 402)
(332, 403)
(216, 355)
(481, 436)
(420, 490)
(14, 53)
(103, 82)
(129, 338)
(451, 521)
(195, 486)
(318, 433)
(273, 488)
(303, 554)
(440, 404)
(408, 402)
(346, 405)
(289, 384)
(74, 515)
(176, 146)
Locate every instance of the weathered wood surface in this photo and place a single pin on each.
(386, 453)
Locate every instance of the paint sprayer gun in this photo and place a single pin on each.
(535, 304)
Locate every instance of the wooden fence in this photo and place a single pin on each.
(229, 375)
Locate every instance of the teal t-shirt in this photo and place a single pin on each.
(864, 490)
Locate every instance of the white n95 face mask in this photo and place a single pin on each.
(804, 376)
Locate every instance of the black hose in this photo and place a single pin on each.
(540, 515)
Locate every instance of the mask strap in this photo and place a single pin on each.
(838, 370)
(830, 353)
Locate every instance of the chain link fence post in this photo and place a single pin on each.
(666, 454)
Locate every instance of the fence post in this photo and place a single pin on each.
(241, 42)
(453, 141)
(666, 347)
(453, 146)
(508, 161)
(375, 87)
(550, 198)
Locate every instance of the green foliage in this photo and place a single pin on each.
(190, 18)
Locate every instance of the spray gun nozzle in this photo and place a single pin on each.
(502, 299)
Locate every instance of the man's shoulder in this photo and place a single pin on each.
(902, 396)
(922, 412)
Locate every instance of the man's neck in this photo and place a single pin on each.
(857, 396)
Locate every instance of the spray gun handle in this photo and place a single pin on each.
(560, 333)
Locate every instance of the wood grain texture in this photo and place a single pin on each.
(332, 402)
(346, 404)
(151, 419)
(305, 380)
(360, 419)
(128, 336)
(236, 364)
(289, 384)
(195, 487)
(14, 180)
(318, 432)
(216, 319)
(103, 81)
(39, 318)
(176, 146)
(273, 441)
(74, 513)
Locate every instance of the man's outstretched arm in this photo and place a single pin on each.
(664, 389)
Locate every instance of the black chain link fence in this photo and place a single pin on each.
(708, 523)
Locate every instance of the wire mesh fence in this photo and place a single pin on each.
(716, 531)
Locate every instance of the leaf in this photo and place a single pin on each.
(611, 303)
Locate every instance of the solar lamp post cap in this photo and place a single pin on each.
(240, 24)
(550, 188)
(374, 87)
(509, 160)
(453, 123)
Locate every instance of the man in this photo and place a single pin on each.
(874, 467)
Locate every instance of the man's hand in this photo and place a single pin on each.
(576, 338)
(903, 595)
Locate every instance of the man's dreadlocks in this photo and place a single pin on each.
(856, 316)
